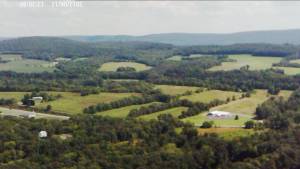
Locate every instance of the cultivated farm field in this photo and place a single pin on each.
(113, 66)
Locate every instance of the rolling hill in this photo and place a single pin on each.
(184, 39)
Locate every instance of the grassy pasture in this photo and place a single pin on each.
(113, 66)
(73, 103)
(175, 90)
(12, 95)
(290, 70)
(244, 108)
(18, 64)
(295, 61)
(175, 112)
(255, 62)
(210, 95)
(175, 58)
(123, 111)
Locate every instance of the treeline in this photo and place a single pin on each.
(133, 100)
(7, 102)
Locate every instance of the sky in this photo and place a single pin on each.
(147, 17)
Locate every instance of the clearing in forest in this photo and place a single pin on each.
(113, 66)
(255, 62)
(17, 63)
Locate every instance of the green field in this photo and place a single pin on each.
(295, 61)
(175, 112)
(73, 103)
(210, 95)
(244, 108)
(12, 95)
(175, 90)
(175, 58)
(123, 111)
(290, 70)
(18, 64)
(255, 62)
(113, 66)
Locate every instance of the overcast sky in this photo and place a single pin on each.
(138, 18)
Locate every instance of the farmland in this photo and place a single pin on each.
(289, 70)
(73, 103)
(210, 95)
(12, 95)
(113, 66)
(175, 90)
(18, 64)
(175, 112)
(255, 62)
(123, 111)
(227, 133)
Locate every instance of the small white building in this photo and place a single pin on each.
(217, 114)
(37, 98)
(42, 134)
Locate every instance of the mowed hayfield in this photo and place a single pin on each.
(289, 70)
(113, 66)
(18, 64)
(244, 108)
(175, 112)
(73, 103)
(175, 90)
(12, 95)
(255, 62)
(210, 95)
(123, 111)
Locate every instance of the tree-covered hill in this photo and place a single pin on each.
(186, 39)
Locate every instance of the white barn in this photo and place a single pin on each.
(217, 113)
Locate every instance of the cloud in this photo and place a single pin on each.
(133, 17)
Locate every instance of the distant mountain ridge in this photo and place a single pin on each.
(185, 39)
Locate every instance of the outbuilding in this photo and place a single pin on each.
(217, 113)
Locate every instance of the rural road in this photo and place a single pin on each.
(18, 113)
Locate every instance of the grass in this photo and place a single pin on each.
(228, 122)
(295, 61)
(175, 90)
(173, 111)
(175, 58)
(18, 64)
(255, 62)
(210, 95)
(113, 66)
(12, 95)
(228, 133)
(289, 70)
(122, 112)
(244, 106)
(73, 103)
